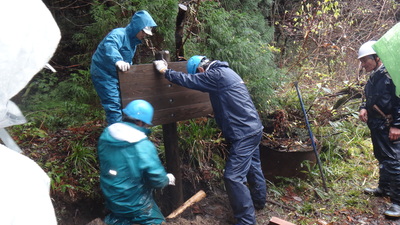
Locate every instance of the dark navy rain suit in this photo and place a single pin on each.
(130, 170)
(119, 45)
(380, 91)
(240, 123)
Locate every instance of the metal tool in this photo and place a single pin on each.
(311, 136)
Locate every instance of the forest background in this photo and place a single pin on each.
(271, 44)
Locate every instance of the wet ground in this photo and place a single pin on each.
(215, 210)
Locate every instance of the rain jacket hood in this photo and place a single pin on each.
(140, 20)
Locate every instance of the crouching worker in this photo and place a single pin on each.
(130, 168)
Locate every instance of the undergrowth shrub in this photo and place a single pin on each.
(203, 150)
(51, 104)
(201, 142)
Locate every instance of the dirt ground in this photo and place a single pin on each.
(215, 210)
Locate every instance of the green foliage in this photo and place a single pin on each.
(108, 15)
(82, 158)
(307, 208)
(78, 172)
(28, 131)
(202, 143)
(77, 88)
(105, 20)
(343, 139)
(68, 156)
(57, 173)
(51, 104)
(240, 38)
(344, 170)
(202, 150)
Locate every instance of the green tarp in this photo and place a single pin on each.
(388, 50)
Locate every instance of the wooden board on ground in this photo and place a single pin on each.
(171, 102)
(277, 221)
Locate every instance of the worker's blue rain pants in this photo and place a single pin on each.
(243, 165)
(108, 91)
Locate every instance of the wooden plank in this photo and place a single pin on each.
(171, 102)
(277, 221)
(180, 113)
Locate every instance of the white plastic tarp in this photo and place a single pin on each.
(24, 191)
(29, 37)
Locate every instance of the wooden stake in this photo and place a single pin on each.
(195, 198)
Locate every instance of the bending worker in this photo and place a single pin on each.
(130, 168)
(239, 121)
(380, 102)
(116, 50)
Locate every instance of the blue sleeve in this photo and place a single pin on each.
(111, 44)
(206, 82)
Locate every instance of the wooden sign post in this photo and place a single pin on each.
(171, 102)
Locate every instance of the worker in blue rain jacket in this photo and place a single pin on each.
(381, 111)
(239, 121)
(130, 168)
(114, 52)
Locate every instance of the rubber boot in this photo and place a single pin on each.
(393, 211)
(377, 192)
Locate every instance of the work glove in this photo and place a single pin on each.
(161, 65)
(171, 179)
(123, 66)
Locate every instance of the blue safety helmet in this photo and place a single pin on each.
(140, 110)
(193, 63)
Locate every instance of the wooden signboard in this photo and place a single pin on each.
(171, 102)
